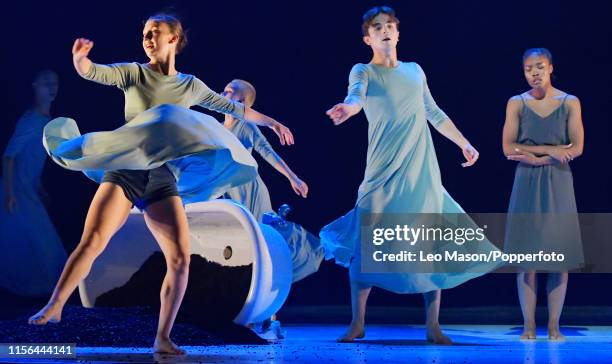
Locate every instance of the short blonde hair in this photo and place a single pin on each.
(245, 91)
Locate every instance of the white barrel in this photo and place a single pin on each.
(220, 231)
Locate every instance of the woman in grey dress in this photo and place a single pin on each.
(543, 131)
(137, 161)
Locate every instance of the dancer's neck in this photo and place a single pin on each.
(229, 121)
(386, 58)
(43, 108)
(165, 67)
(540, 93)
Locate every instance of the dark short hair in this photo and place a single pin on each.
(538, 52)
(175, 27)
(369, 16)
(44, 72)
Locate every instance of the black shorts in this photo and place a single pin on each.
(143, 188)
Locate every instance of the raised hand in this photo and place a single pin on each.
(80, 51)
(471, 155)
(81, 47)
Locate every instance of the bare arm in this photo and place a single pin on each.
(265, 150)
(300, 187)
(511, 128)
(510, 146)
(445, 126)
(208, 99)
(519, 152)
(450, 131)
(575, 127)
(255, 117)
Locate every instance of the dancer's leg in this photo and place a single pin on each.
(556, 287)
(359, 299)
(167, 221)
(107, 213)
(432, 309)
(527, 284)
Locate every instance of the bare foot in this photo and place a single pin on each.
(554, 334)
(528, 335)
(436, 336)
(529, 332)
(52, 313)
(354, 331)
(166, 346)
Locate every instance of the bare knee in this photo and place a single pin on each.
(527, 277)
(178, 262)
(92, 244)
(558, 278)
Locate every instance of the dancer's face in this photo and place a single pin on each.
(231, 93)
(234, 94)
(45, 87)
(383, 33)
(537, 71)
(158, 40)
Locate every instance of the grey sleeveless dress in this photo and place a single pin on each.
(542, 214)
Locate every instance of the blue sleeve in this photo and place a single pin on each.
(208, 99)
(434, 114)
(25, 133)
(263, 147)
(358, 85)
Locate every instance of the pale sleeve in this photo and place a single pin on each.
(208, 99)
(434, 114)
(358, 85)
(121, 75)
(263, 147)
(25, 134)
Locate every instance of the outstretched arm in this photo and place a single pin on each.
(353, 103)
(341, 112)
(119, 74)
(255, 117)
(450, 131)
(445, 126)
(208, 99)
(265, 150)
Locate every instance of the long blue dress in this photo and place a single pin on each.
(32, 253)
(253, 195)
(402, 173)
(306, 250)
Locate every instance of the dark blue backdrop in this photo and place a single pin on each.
(298, 55)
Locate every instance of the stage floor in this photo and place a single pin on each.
(384, 343)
